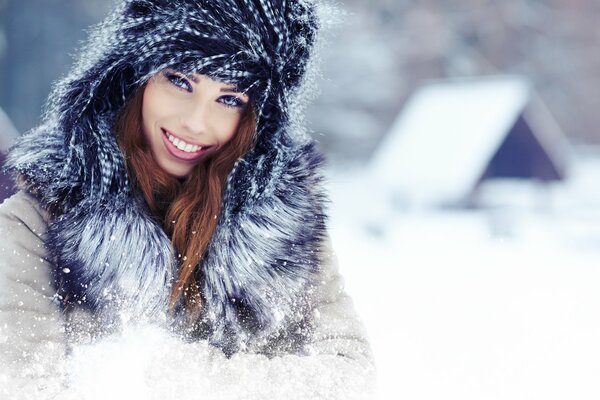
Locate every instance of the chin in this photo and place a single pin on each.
(175, 170)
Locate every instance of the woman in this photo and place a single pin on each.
(167, 183)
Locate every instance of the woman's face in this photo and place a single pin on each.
(186, 117)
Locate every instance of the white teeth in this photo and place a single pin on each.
(181, 145)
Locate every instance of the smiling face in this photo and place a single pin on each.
(187, 117)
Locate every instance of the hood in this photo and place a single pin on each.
(106, 247)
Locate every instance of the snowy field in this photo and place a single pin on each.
(483, 304)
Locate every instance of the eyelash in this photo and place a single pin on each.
(231, 101)
(179, 81)
(183, 84)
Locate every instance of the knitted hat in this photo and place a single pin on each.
(259, 46)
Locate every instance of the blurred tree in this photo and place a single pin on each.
(552, 42)
(2, 34)
(40, 38)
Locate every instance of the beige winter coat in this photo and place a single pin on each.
(42, 354)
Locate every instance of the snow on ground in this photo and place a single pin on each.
(475, 304)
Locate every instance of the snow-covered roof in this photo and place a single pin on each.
(442, 142)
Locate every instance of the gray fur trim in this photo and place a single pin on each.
(112, 258)
(263, 259)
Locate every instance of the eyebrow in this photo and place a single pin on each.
(231, 89)
(235, 90)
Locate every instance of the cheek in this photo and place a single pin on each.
(157, 105)
(154, 110)
(148, 108)
(228, 127)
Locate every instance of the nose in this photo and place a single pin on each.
(194, 117)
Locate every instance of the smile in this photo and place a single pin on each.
(182, 144)
(181, 149)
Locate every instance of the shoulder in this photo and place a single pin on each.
(23, 213)
(31, 323)
(25, 268)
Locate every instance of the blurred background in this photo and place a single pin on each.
(462, 138)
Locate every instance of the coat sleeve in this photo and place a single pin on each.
(32, 342)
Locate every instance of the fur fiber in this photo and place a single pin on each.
(110, 255)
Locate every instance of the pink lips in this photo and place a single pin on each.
(180, 154)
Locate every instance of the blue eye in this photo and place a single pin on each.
(179, 81)
(232, 101)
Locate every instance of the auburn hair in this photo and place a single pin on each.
(188, 209)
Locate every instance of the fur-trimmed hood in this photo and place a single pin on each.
(110, 254)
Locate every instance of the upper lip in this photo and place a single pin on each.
(186, 140)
